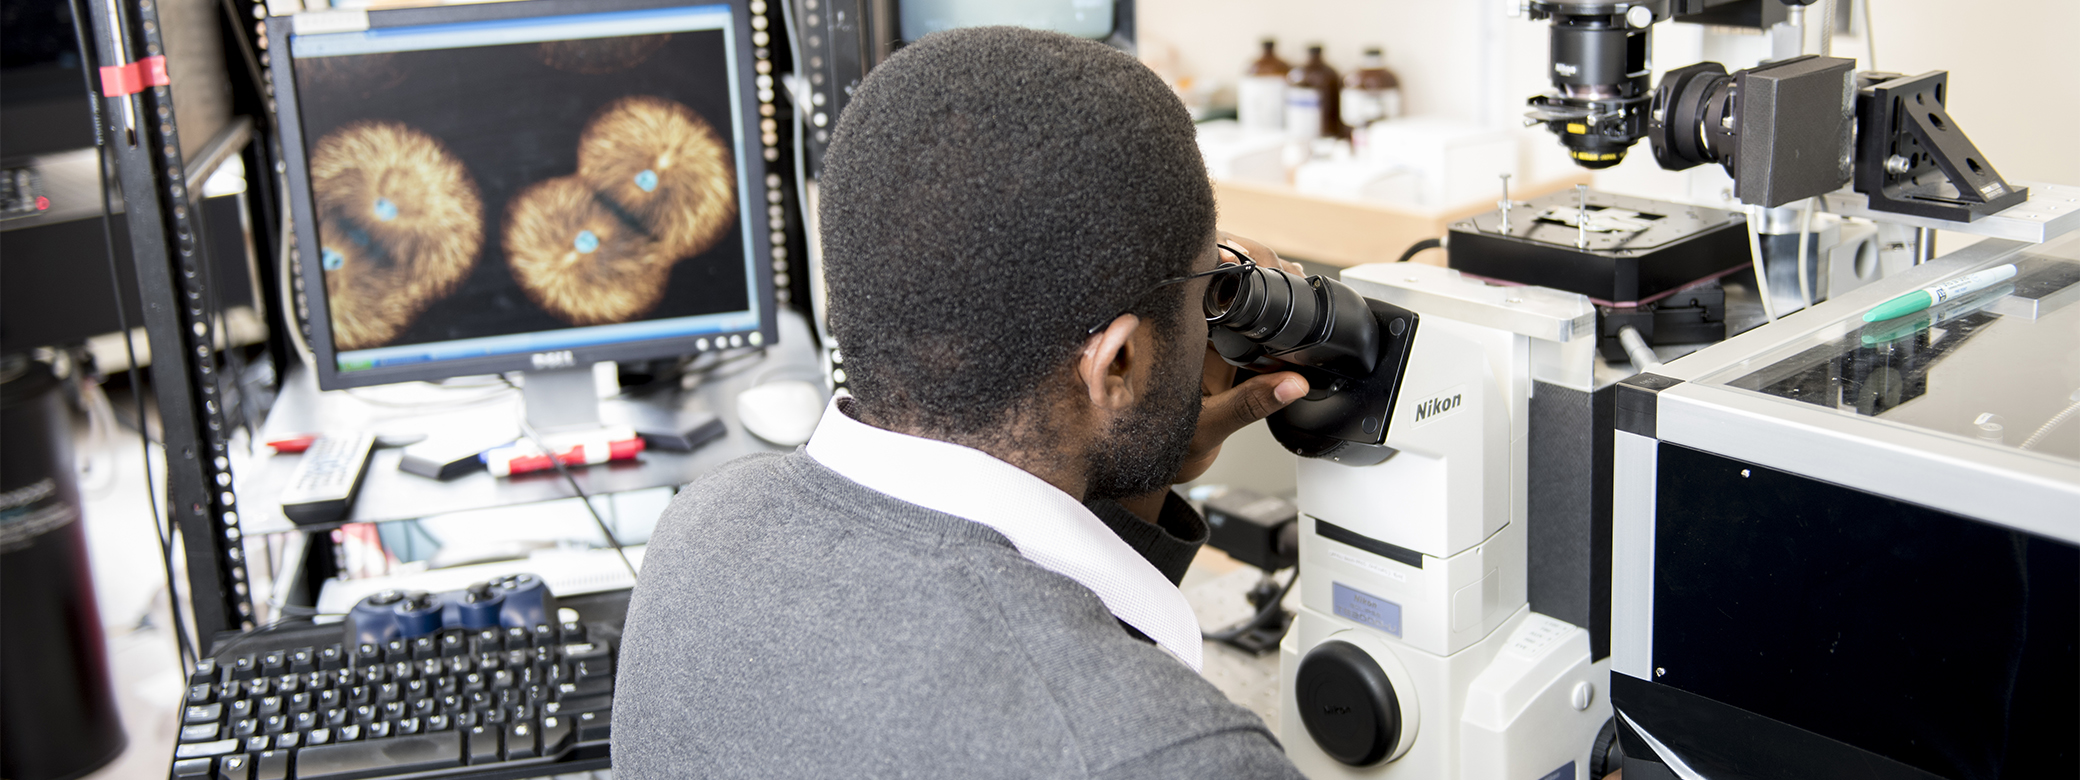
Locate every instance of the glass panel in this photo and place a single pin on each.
(2001, 365)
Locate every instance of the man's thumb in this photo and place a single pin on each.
(1252, 400)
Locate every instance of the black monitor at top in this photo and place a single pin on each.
(528, 185)
(838, 41)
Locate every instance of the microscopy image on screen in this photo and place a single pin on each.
(654, 186)
(605, 188)
(399, 225)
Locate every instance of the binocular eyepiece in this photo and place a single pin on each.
(1351, 349)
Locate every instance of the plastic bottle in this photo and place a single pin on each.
(1314, 100)
(1260, 98)
(1371, 93)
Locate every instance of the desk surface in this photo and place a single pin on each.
(389, 494)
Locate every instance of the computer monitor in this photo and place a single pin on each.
(532, 185)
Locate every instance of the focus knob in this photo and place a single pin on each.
(1347, 703)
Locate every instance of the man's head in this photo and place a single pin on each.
(992, 193)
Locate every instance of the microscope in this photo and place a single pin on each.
(1454, 489)
(1415, 652)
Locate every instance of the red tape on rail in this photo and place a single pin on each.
(123, 80)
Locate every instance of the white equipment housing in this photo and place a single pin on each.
(1419, 561)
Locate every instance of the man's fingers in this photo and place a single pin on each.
(1256, 399)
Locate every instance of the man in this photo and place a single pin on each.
(970, 570)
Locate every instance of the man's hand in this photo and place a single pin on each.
(1226, 406)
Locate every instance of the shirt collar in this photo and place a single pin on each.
(1049, 527)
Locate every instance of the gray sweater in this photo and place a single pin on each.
(792, 623)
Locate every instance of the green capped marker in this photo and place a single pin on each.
(1930, 296)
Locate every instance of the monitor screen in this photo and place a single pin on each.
(525, 185)
(1082, 18)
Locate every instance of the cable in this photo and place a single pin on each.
(101, 147)
(528, 431)
(2050, 425)
(255, 632)
(292, 315)
(1805, 233)
(1870, 37)
(1769, 310)
(1264, 614)
(1419, 247)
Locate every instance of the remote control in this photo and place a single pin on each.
(323, 486)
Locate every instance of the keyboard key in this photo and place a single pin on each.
(300, 702)
(274, 724)
(437, 722)
(331, 658)
(483, 744)
(288, 740)
(425, 647)
(201, 693)
(244, 667)
(191, 768)
(240, 708)
(198, 749)
(401, 755)
(596, 726)
(348, 733)
(367, 654)
(453, 644)
(317, 736)
(304, 721)
(520, 741)
(377, 730)
(270, 705)
(577, 704)
(205, 671)
(238, 766)
(256, 744)
(556, 734)
(274, 663)
(271, 765)
(200, 732)
(245, 727)
(573, 631)
(336, 717)
(303, 659)
(259, 686)
(396, 650)
(288, 684)
(408, 726)
(202, 713)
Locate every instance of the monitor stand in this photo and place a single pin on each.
(564, 400)
(560, 400)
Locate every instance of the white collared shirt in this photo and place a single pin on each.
(1049, 527)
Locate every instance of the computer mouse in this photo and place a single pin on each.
(783, 411)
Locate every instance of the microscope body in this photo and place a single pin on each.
(1415, 653)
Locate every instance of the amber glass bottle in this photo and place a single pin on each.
(1314, 99)
(1260, 98)
(1371, 93)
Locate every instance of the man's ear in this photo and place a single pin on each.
(1109, 358)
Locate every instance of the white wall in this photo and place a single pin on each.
(2014, 86)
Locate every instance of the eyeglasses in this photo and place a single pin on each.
(1244, 265)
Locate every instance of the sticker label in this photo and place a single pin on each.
(1361, 607)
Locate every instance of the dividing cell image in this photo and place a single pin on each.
(578, 259)
(601, 56)
(399, 225)
(665, 167)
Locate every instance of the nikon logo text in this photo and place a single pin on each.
(1439, 405)
(559, 359)
(1435, 407)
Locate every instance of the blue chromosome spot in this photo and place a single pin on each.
(586, 242)
(332, 259)
(385, 210)
(647, 180)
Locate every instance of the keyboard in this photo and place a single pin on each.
(488, 702)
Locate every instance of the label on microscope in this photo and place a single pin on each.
(1361, 607)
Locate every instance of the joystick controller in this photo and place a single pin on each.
(513, 601)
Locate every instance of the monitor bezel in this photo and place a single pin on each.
(304, 215)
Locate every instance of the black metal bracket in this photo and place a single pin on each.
(1912, 158)
(180, 321)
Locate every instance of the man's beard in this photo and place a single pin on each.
(1142, 451)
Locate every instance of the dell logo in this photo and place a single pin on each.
(1436, 406)
(559, 359)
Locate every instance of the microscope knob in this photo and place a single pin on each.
(1347, 703)
(1606, 755)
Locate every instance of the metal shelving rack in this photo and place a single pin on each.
(193, 382)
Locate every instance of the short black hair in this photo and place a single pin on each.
(991, 193)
